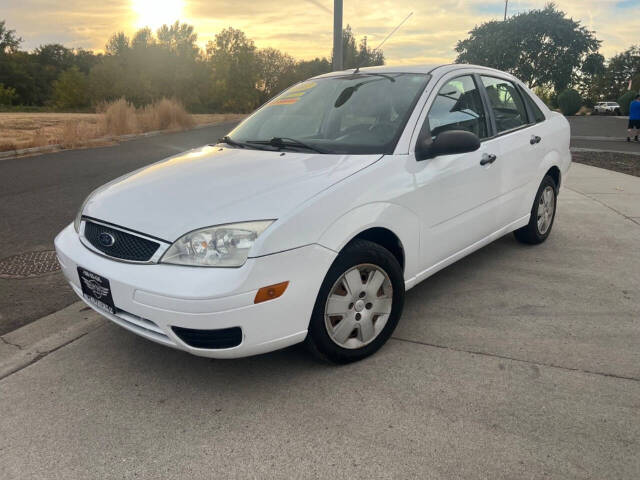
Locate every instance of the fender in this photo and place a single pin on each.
(553, 158)
(399, 220)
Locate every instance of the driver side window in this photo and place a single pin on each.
(458, 106)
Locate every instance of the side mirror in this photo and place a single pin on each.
(447, 143)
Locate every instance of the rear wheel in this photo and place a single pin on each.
(359, 304)
(543, 213)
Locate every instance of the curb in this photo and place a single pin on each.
(597, 150)
(9, 154)
(599, 139)
(28, 344)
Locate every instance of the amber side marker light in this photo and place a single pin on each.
(270, 292)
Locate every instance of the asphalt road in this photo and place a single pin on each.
(41, 194)
(517, 362)
(601, 133)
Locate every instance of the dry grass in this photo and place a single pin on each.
(165, 115)
(72, 130)
(120, 118)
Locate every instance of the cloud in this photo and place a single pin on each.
(303, 28)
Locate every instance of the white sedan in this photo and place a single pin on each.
(314, 216)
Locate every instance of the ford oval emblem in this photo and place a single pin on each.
(106, 239)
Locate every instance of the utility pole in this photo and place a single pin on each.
(337, 35)
(506, 2)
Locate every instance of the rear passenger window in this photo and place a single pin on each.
(458, 106)
(506, 102)
(538, 116)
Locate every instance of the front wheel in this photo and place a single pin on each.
(358, 305)
(543, 213)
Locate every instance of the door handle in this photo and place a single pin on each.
(487, 158)
(534, 139)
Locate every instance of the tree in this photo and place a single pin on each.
(179, 38)
(142, 39)
(311, 68)
(541, 47)
(9, 43)
(368, 57)
(360, 55)
(620, 69)
(277, 71)
(625, 101)
(117, 44)
(51, 60)
(235, 71)
(70, 89)
(591, 72)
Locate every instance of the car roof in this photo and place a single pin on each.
(440, 69)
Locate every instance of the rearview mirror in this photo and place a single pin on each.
(344, 96)
(447, 143)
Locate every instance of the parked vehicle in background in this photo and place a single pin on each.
(606, 108)
(311, 219)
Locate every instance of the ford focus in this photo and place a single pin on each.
(310, 220)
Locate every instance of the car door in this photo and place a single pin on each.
(453, 194)
(520, 149)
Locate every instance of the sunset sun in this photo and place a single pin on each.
(154, 13)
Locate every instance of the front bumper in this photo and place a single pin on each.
(151, 299)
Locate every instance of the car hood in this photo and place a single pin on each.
(213, 185)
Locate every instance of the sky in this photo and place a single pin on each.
(302, 28)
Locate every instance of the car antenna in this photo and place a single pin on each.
(385, 39)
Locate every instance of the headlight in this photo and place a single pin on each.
(220, 246)
(78, 219)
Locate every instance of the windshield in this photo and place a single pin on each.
(357, 114)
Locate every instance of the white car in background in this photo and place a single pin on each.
(606, 108)
(314, 216)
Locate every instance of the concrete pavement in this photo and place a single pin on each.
(516, 362)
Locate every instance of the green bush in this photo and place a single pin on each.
(7, 95)
(569, 102)
(625, 100)
(70, 89)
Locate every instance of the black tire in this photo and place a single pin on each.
(617, 111)
(530, 233)
(357, 252)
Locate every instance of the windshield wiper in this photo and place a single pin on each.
(283, 142)
(234, 143)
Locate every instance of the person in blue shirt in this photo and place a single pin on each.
(634, 118)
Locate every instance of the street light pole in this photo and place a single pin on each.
(337, 35)
(506, 2)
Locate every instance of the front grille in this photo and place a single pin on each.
(221, 338)
(125, 245)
